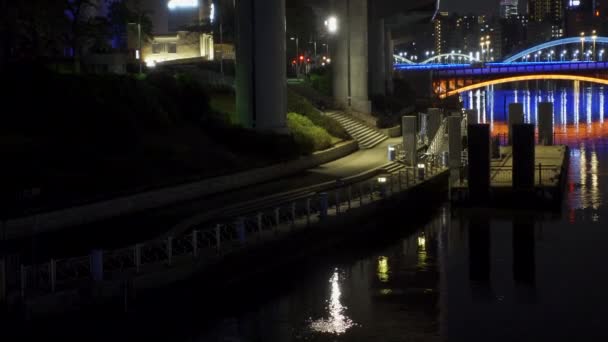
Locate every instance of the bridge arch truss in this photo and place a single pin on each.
(585, 41)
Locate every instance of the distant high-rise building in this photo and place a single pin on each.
(542, 10)
(508, 8)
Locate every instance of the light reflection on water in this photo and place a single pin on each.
(338, 322)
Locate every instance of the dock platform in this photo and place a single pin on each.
(550, 174)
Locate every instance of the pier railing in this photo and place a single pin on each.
(208, 243)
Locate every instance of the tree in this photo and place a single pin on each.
(121, 15)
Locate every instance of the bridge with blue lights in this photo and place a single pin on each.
(580, 58)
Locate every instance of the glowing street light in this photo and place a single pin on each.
(332, 24)
(582, 41)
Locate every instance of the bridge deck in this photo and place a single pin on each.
(447, 70)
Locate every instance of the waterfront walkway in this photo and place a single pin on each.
(124, 230)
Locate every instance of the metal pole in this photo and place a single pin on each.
(139, 38)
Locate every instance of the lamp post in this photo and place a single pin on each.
(594, 38)
(138, 53)
(297, 40)
(582, 42)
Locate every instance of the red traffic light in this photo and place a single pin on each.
(301, 58)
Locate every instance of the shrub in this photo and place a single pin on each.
(309, 137)
(298, 104)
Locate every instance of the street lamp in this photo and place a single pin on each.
(297, 65)
(582, 41)
(594, 38)
(138, 52)
(332, 24)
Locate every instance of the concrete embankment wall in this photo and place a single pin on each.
(374, 223)
(49, 221)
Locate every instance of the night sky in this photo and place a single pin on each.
(470, 6)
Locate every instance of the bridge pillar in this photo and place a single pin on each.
(410, 140)
(350, 63)
(261, 90)
(479, 162)
(545, 123)
(523, 156)
(434, 121)
(516, 116)
(472, 116)
(378, 56)
(389, 48)
(455, 144)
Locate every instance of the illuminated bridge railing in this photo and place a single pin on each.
(504, 68)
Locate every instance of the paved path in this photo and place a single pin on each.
(130, 229)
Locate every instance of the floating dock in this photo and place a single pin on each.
(550, 175)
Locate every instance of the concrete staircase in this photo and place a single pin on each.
(366, 136)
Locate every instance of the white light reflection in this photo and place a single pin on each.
(537, 99)
(564, 109)
(337, 323)
(577, 102)
(527, 105)
(483, 106)
(478, 100)
(491, 99)
(596, 199)
(471, 99)
(589, 97)
(583, 168)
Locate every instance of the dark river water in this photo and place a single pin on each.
(468, 275)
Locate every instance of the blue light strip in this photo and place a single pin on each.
(503, 67)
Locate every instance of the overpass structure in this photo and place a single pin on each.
(361, 53)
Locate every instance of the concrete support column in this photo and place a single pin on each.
(261, 88)
(410, 140)
(350, 64)
(389, 47)
(545, 123)
(455, 143)
(516, 116)
(472, 118)
(479, 162)
(434, 121)
(523, 156)
(378, 56)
